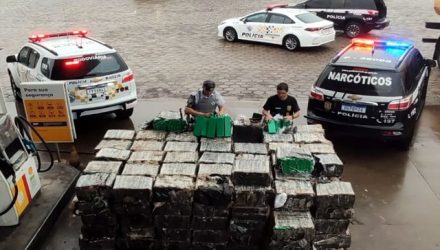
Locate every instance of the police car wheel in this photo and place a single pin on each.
(291, 43)
(123, 114)
(15, 90)
(230, 34)
(353, 29)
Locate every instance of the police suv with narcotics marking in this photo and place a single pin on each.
(97, 78)
(372, 88)
(279, 25)
(354, 17)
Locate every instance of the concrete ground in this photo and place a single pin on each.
(397, 193)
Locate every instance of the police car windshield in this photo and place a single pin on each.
(86, 66)
(309, 18)
(361, 81)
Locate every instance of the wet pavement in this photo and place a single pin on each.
(397, 193)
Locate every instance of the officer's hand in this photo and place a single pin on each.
(288, 117)
(268, 117)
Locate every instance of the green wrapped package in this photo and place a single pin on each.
(211, 130)
(200, 126)
(228, 126)
(220, 127)
(294, 165)
(272, 127)
(213, 126)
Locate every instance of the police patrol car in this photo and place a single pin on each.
(372, 88)
(354, 17)
(279, 25)
(97, 79)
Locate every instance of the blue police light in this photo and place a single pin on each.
(397, 44)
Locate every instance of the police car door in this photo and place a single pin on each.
(253, 27)
(320, 7)
(337, 12)
(34, 57)
(23, 60)
(276, 28)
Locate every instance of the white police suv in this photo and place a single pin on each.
(98, 80)
(291, 28)
(372, 88)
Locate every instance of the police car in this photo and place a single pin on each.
(97, 78)
(372, 88)
(354, 17)
(279, 25)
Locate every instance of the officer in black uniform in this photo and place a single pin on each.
(282, 104)
(205, 101)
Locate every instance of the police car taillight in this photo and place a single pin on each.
(373, 12)
(316, 95)
(313, 29)
(128, 77)
(36, 38)
(402, 104)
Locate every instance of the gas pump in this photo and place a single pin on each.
(19, 180)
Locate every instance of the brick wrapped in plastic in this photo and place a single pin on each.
(119, 134)
(216, 145)
(252, 157)
(201, 210)
(95, 187)
(292, 227)
(136, 240)
(172, 221)
(168, 208)
(249, 196)
(334, 200)
(246, 232)
(330, 165)
(214, 169)
(151, 170)
(146, 157)
(319, 148)
(171, 234)
(141, 222)
(250, 148)
(209, 246)
(104, 243)
(172, 245)
(332, 241)
(174, 189)
(250, 213)
(295, 160)
(286, 138)
(187, 136)
(252, 172)
(105, 219)
(141, 145)
(132, 189)
(331, 226)
(210, 236)
(297, 195)
(273, 146)
(110, 167)
(313, 128)
(151, 135)
(305, 138)
(178, 146)
(217, 158)
(210, 223)
(118, 144)
(181, 169)
(113, 154)
(214, 191)
(96, 232)
(181, 157)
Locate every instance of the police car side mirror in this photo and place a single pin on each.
(243, 20)
(431, 63)
(11, 59)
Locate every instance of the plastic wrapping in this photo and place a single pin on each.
(151, 170)
(251, 172)
(180, 169)
(113, 154)
(94, 187)
(273, 146)
(299, 194)
(181, 146)
(118, 144)
(288, 138)
(292, 226)
(215, 145)
(110, 167)
(214, 169)
(316, 137)
(330, 165)
(250, 148)
(217, 158)
(295, 160)
(151, 135)
(132, 189)
(141, 145)
(187, 136)
(146, 157)
(181, 157)
(174, 189)
(315, 128)
(119, 134)
(214, 191)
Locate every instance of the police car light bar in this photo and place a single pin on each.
(36, 38)
(368, 42)
(273, 6)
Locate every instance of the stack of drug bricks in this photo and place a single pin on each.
(312, 206)
(213, 196)
(252, 179)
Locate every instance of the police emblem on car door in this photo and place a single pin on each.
(275, 27)
(250, 29)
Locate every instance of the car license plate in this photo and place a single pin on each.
(354, 108)
(95, 91)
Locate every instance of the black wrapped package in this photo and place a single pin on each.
(98, 206)
(336, 241)
(168, 208)
(334, 200)
(297, 195)
(96, 232)
(210, 223)
(247, 134)
(252, 172)
(171, 234)
(130, 189)
(292, 226)
(209, 246)
(95, 187)
(249, 196)
(302, 244)
(330, 165)
(210, 236)
(172, 245)
(132, 209)
(246, 232)
(330, 226)
(172, 221)
(201, 210)
(103, 243)
(214, 191)
(105, 219)
(250, 213)
(135, 240)
(135, 222)
(174, 189)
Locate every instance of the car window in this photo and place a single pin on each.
(337, 4)
(287, 20)
(86, 66)
(361, 4)
(274, 18)
(309, 18)
(33, 58)
(318, 4)
(45, 67)
(23, 56)
(361, 81)
(413, 71)
(257, 18)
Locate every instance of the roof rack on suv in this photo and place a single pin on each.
(273, 6)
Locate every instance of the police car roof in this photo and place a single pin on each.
(374, 57)
(287, 11)
(68, 46)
